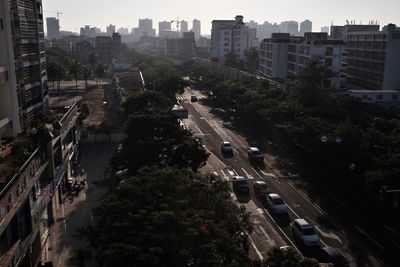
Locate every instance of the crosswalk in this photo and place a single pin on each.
(228, 172)
(187, 98)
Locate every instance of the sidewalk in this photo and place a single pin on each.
(76, 212)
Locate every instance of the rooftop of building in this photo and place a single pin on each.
(15, 152)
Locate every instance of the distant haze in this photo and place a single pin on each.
(125, 13)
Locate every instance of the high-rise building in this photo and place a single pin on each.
(53, 28)
(231, 36)
(325, 29)
(23, 78)
(305, 26)
(291, 27)
(196, 28)
(123, 31)
(164, 27)
(110, 29)
(145, 29)
(184, 26)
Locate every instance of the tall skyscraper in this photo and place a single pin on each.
(196, 28)
(325, 29)
(291, 27)
(110, 29)
(163, 26)
(23, 78)
(305, 26)
(53, 28)
(184, 26)
(145, 29)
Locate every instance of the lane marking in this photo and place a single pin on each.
(271, 241)
(282, 232)
(224, 175)
(364, 233)
(235, 172)
(328, 234)
(255, 248)
(259, 175)
(197, 127)
(245, 172)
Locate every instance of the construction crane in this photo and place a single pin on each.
(178, 23)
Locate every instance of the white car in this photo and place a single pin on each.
(305, 233)
(276, 204)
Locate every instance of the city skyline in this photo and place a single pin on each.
(127, 13)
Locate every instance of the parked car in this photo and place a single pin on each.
(240, 184)
(276, 204)
(255, 154)
(261, 189)
(305, 233)
(333, 256)
(226, 148)
(193, 98)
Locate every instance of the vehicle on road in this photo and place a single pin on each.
(261, 189)
(226, 148)
(255, 155)
(240, 184)
(305, 233)
(193, 98)
(276, 204)
(333, 256)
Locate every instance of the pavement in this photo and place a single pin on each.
(63, 244)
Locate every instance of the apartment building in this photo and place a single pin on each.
(32, 190)
(181, 47)
(231, 36)
(196, 28)
(283, 56)
(23, 78)
(373, 58)
(53, 28)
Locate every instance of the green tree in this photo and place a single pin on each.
(75, 69)
(87, 73)
(100, 71)
(60, 74)
(231, 59)
(288, 258)
(161, 218)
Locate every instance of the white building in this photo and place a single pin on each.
(378, 97)
(110, 29)
(196, 28)
(231, 36)
(283, 56)
(305, 26)
(184, 26)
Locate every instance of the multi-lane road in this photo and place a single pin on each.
(269, 230)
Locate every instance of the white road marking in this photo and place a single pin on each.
(295, 214)
(236, 151)
(363, 232)
(224, 175)
(197, 127)
(256, 172)
(245, 172)
(270, 240)
(255, 248)
(328, 234)
(261, 211)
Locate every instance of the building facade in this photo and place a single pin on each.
(184, 26)
(373, 58)
(145, 29)
(283, 56)
(196, 29)
(53, 28)
(231, 36)
(30, 197)
(23, 77)
(110, 29)
(305, 26)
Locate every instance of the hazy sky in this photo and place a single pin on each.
(126, 13)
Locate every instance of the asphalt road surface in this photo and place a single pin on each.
(269, 230)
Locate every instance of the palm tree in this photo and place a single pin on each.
(60, 73)
(74, 69)
(100, 71)
(87, 73)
